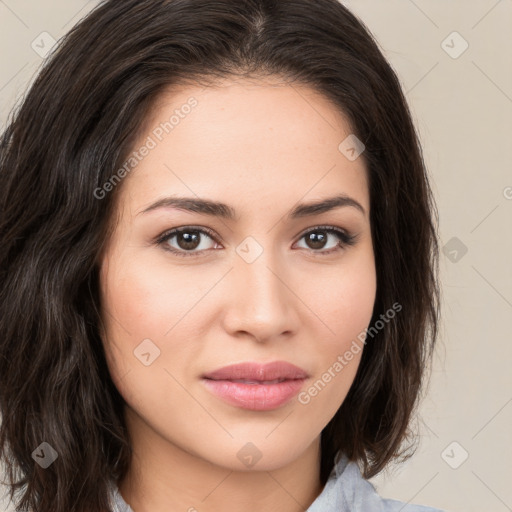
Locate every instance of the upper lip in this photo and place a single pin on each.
(258, 372)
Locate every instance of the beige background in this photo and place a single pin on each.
(462, 105)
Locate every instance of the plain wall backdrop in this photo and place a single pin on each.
(454, 61)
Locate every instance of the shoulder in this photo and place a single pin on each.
(389, 505)
(346, 489)
(372, 501)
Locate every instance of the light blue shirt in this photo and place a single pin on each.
(345, 491)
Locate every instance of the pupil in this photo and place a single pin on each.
(317, 240)
(189, 241)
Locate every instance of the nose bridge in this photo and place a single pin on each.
(261, 303)
(261, 278)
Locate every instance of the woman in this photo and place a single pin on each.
(218, 264)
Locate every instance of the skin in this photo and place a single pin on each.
(260, 147)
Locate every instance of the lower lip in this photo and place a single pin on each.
(256, 397)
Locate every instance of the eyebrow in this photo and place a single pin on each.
(217, 209)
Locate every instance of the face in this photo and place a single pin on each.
(273, 282)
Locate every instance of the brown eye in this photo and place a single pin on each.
(186, 241)
(191, 241)
(318, 238)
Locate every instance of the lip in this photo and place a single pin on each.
(257, 393)
(258, 372)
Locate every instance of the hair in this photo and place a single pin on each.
(74, 128)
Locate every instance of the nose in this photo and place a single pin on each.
(260, 300)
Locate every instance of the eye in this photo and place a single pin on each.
(184, 241)
(187, 239)
(317, 238)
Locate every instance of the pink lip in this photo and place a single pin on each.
(256, 394)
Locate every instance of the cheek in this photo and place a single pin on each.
(343, 300)
(140, 306)
(343, 297)
(345, 305)
(143, 300)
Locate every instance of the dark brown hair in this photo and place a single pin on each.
(72, 132)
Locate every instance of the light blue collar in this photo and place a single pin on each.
(347, 491)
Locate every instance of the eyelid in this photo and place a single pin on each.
(346, 238)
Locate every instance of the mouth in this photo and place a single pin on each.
(257, 387)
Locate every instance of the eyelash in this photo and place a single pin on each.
(345, 238)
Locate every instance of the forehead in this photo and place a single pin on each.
(245, 139)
